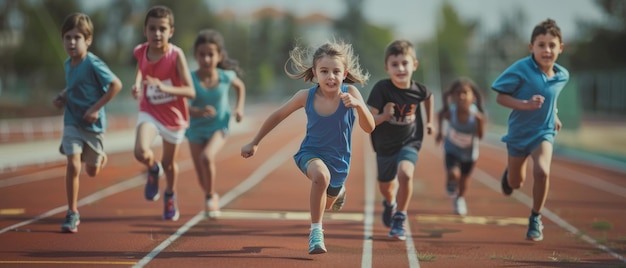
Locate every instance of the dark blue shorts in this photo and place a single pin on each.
(388, 164)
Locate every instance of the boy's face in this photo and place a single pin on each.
(546, 49)
(400, 69)
(158, 32)
(75, 44)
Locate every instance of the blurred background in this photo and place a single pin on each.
(477, 39)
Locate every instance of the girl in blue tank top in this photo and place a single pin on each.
(466, 125)
(324, 155)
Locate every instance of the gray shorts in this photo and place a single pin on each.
(388, 165)
(86, 143)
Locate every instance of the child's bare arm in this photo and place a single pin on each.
(353, 99)
(91, 115)
(296, 102)
(240, 89)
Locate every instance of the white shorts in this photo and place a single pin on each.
(171, 136)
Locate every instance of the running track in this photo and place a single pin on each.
(265, 213)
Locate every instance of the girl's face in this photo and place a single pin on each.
(546, 49)
(158, 32)
(330, 72)
(463, 96)
(400, 69)
(75, 44)
(207, 55)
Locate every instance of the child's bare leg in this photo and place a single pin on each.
(170, 167)
(214, 145)
(72, 175)
(517, 171)
(405, 185)
(319, 175)
(542, 158)
(146, 133)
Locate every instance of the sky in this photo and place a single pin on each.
(416, 19)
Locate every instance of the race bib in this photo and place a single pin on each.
(156, 96)
(461, 140)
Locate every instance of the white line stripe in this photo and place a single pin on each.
(592, 181)
(494, 184)
(411, 252)
(370, 196)
(258, 175)
(111, 190)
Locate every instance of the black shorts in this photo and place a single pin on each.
(453, 161)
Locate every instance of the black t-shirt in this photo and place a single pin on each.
(405, 128)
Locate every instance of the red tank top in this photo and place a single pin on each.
(172, 111)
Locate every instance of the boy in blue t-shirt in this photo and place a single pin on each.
(531, 87)
(90, 86)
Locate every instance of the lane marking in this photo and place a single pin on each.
(286, 215)
(370, 197)
(11, 211)
(275, 161)
(71, 262)
(494, 184)
(483, 220)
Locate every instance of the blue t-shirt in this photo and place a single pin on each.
(86, 82)
(522, 80)
(216, 97)
(329, 136)
(461, 140)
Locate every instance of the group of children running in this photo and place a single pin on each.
(176, 103)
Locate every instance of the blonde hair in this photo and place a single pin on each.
(303, 62)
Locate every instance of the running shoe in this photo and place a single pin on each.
(341, 199)
(72, 220)
(451, 187)
(535, 227)
(316, 241)
(388, 211)
(151, 191)
(506, 189)
(212, 207)
(170, 208)
(460, 207)
(397, 227)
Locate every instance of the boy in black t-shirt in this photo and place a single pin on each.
(395, 104)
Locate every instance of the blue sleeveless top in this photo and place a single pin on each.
(329, 137)
(461, 140)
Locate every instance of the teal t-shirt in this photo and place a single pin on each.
(86, 82)
(216, 97)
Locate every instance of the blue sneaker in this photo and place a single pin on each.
(170, 208)
(72, 220)
(151, 191)
(316, 241)
(341, 199)
(535, 227)
(397, 227)
(388, 211)
(460, 207)
(506, 188)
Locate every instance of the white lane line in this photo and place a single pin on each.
(370, 197)
(257, 176)
(591, 181)
(111, 190)
(494, 184)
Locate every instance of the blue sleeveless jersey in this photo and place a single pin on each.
(329, 137)
(461, 140)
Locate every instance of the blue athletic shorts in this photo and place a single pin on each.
(388, 164)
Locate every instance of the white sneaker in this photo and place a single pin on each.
(460, 207)
(212, 207)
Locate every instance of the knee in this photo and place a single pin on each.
(207, 160)
(92, 171)
(454, 174)
(141, 155)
